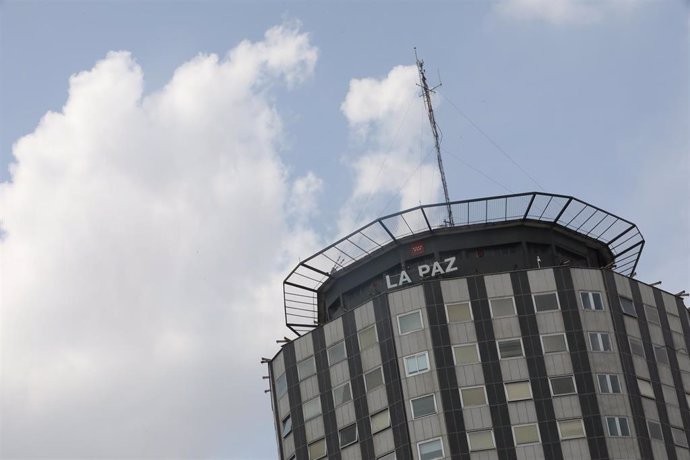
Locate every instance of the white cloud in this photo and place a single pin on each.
(561, 12)
(145, 239)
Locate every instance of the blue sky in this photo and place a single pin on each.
(111, 211)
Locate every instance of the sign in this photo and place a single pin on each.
(424, 270)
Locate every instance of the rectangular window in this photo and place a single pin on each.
(511, 348)
(609, 383)
(287, 426)
(655, 430)
(591, 301)
(679, 437)
(473, 396)
(481, 440)
(306, 368)
(646, 389)
(348, 435)
(368, 337)
(555, 343)
(546, 302)
(564, 385)
(336, 353)
(636, 347)
(417, 364)
(423, 406)
(317, 449)
(410, 322)
(618, 426)
(652, 314)
(430, 450)
(466, 354)
(281, 385)
(373, 379)
(571, 429)
(311, 408)
(380, 421)
(517, 391)
(627, 306)
(661, 355)
(600, 341)
(458, 312)
(342, 394)
(502, 307)
(526, 434)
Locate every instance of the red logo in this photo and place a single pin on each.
(417, 248)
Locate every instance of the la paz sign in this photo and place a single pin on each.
(424, 270)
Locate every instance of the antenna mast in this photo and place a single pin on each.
(426, 93)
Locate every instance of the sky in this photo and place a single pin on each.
(164, 165)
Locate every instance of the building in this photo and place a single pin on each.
(512, 328)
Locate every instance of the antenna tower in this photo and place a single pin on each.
(426, 93)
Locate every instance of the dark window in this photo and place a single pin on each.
(562, 385)
(545, 302)
(628, 307)
(348, 435)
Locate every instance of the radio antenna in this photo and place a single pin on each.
(426, 94)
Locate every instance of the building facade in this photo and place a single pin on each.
(514, 332)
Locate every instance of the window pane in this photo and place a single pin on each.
(367, 337)
(417, 364)
(426, 405)
(623, 425)
(311, 408)
(652, 314)
(615, 384)
(679, 437)
(458, 312)
(655, 430)
(586, 304)
(287, 426)
(410, 322)
(600, 341)
(545, 302)
(603, 384)
(466, 354)
(373, 379)
(510, 348)
(612, 426)
(502, 307)
(596, 300)
(473, 396)
(571, 429)
(554, 343)
(517, 391)
(306, 368)
(627, 306)
(430, 450)
(636, 347)
(526, 434)
(342, 394)
(562, 385)
(281, 385)
(348, 435)
(646, 389)
(661, 355)
(336, 353)
(380, 421)
(480, 440)
(317, 449)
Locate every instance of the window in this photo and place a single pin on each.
(562, 385)
(342, 394)
(502, 307)
(380, 421)
(373, 379)
(646, 389)
(679, 437)
(417, 364)
(336, 353)
(526, 434)
(652, 314)
(458, 312)
(481, 440)
(618, 426)
(655, 430)
(348, 435)
(281, 385)
(511, 348)
(609, 383)
(636, 347)
(473, 396)
(287, 426)
(661, 355)
(546, 302)
(306, 368)
(571, 429)
(466, 354)
(591, 301)
(368, 337)
(554, 343)
(628, 307)
(410, 322)
(311, 408)
(423, 406)
(317, 449)
(429, 450)
(517, 391)
(600, 341)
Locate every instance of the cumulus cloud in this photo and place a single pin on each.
(392, 164)
(560, 12)
(144, 242)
